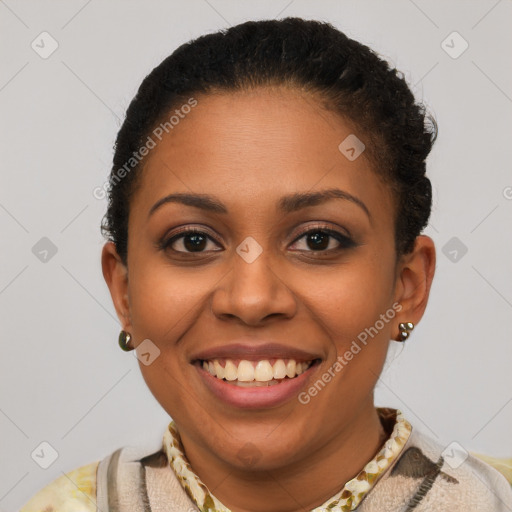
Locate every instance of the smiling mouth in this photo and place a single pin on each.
(264, 372)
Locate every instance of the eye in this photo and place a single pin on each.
(317, 239)
(321, 238)
(188, 241)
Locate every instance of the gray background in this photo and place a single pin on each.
(64, 379)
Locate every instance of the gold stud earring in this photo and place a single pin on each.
(124, 339)
(405, 330)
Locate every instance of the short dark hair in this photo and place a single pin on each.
(345, 75)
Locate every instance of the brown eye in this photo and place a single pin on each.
(322, 239)
(188, 241)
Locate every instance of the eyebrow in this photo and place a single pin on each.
(287, 204)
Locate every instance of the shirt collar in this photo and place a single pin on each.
(348, 498)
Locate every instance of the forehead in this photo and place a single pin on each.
(254, 147)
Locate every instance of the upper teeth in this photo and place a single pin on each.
(260, 371)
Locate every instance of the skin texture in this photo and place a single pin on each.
(249, 149)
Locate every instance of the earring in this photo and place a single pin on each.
(124, 339)
(405, 329)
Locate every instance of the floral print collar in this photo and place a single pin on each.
(348, 498)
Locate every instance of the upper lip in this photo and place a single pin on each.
(254, 351)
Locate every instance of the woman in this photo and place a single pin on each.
(266, 205)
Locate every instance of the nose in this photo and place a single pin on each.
(254, 291)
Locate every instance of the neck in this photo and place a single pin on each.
(301, 486)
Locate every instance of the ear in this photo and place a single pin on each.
(415, 272)
(116, 277)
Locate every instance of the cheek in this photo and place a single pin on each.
(164, 300)
(353, 298)
(164, 304)
(354, 307)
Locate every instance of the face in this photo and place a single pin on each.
(277, 273)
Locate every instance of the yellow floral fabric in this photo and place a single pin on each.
(74, 491)
(348, 498)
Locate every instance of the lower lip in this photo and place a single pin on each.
(258, 397)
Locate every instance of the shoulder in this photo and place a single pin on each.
(503, 465)
(460, 479)
(430, 475)
(74, 491)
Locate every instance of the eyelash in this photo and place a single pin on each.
(345, 241)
